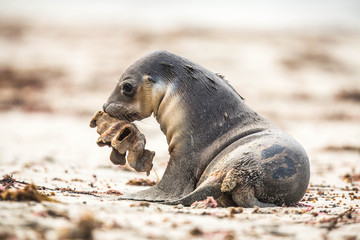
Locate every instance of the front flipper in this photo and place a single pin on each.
(198, 195)
(153, 194)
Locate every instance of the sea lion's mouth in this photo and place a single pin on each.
(120, 112)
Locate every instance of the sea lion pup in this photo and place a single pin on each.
(218, 146)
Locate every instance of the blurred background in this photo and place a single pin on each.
(296, 62)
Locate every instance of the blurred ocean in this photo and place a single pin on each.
(245, 14)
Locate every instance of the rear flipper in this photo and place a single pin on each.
(244, 196)
(239, 183)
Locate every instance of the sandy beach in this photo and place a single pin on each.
(54, 75)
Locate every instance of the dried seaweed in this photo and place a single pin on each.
(8, 181)
(28, 193)
(141, 182)
(235, 210)
(344, 148)
(26, 88)
(346, 217)
(196, 232)
(140, 204)
(348, 95)
(351, 177)
(113, 192)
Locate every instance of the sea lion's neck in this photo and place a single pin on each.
(171, 117)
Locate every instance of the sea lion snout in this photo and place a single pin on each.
(122, 111)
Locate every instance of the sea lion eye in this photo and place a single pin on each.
(128, 89)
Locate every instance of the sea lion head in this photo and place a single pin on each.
(141, 88)
(183, 96)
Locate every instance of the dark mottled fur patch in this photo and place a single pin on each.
(272, 151)
(283, 172)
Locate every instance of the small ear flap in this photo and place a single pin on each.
(149, 78)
